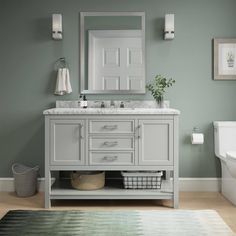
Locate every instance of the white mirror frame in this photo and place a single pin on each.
(82, 51)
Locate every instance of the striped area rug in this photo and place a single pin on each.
(114, 223)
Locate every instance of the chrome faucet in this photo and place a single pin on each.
(122, 105)
(102, 104)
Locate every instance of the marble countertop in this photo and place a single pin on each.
(116, 111)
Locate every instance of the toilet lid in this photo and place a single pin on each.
(231, 154)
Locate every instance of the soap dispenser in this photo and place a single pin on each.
(85, 102)
(81, 102)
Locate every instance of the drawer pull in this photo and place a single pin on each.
(110, 144)
(110, 127)
(110, 158)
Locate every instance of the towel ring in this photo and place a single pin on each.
(61, 63)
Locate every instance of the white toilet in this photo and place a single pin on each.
(225, 149)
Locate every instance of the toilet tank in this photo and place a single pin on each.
(225, 137)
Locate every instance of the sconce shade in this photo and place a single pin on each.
(169, 32)
(57, 26)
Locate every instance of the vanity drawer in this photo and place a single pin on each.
(112, 143)
(108, 126)
(111, 158)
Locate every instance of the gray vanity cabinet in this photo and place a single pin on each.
(155, 142)
(67, 142)
(78, 140)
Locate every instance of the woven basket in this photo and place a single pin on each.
(87, 180)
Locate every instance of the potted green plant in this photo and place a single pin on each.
(157, 88)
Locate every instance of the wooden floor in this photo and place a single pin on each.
(188, 200)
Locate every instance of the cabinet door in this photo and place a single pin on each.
(67, 142)
(155, 142)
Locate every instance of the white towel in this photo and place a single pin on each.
(63, 85)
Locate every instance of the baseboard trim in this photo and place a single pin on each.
(185, 184)
(200, 184)
(7, 184)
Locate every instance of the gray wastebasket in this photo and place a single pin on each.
(25, 179)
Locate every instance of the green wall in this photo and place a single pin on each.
(27, 56)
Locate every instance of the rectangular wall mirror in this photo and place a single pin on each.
(112, 52)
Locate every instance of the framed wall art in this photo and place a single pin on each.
(225, 59)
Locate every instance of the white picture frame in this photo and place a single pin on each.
(225, 59)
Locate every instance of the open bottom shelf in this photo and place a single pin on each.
(62, 190)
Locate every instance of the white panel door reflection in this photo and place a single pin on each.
(115, 60)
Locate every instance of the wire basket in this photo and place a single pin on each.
(142, 179)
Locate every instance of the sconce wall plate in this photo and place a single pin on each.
(169, 31)
(57, 26)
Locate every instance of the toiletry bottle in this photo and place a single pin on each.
(85, 102)
(81, 102)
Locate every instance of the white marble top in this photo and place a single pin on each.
(107, 104)
(121, 111)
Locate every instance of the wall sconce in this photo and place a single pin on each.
(57, 26)
(169, 31)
